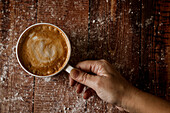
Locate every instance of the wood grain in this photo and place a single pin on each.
(159, 49)
(133, 35)
(16, 89)
(97, 45)
(55, 94)
(115, 36)
(154, 48)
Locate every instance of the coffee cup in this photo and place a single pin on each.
(43, 50)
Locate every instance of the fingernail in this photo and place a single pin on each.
(74, 73)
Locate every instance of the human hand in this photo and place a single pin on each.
(106, 82)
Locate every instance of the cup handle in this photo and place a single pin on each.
(68, 68)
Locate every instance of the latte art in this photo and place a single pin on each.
(44, 50)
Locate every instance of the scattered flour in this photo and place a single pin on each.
(4, 73)
(12, 99)
(1, 48)
(149, 21)
(16, 94)
(47, 79)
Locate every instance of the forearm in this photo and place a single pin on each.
(111, 87)
(140, 102)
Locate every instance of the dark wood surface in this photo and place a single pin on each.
(133, 35)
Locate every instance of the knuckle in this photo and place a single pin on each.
(102, 63)
(83, 77)
(98, 82)
(103, 60)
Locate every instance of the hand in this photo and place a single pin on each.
(111, 87)
(106, 82)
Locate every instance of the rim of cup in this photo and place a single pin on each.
(67, 59)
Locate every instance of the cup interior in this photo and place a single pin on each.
(67, 42)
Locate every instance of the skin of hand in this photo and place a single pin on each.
(106, 82)
(111, 87)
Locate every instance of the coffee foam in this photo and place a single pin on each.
(43, 50)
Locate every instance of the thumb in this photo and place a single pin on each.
(84, 78)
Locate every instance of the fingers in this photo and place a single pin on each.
(71, 81)
(119, 108)
(80, 88)
(88, 93)
(89, 66)
(99, 67)
(84, 78)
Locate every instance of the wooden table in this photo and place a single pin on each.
(134, 35)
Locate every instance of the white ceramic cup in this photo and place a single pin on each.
(65, 67)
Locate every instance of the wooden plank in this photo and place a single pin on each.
(147, 23)
(161, 55)
(54, 94)
(16, 88)
(97, 43)
(132, 35)
(3, 56)
(115, 36)
(155, 41)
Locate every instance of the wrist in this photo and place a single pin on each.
(128, 99)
